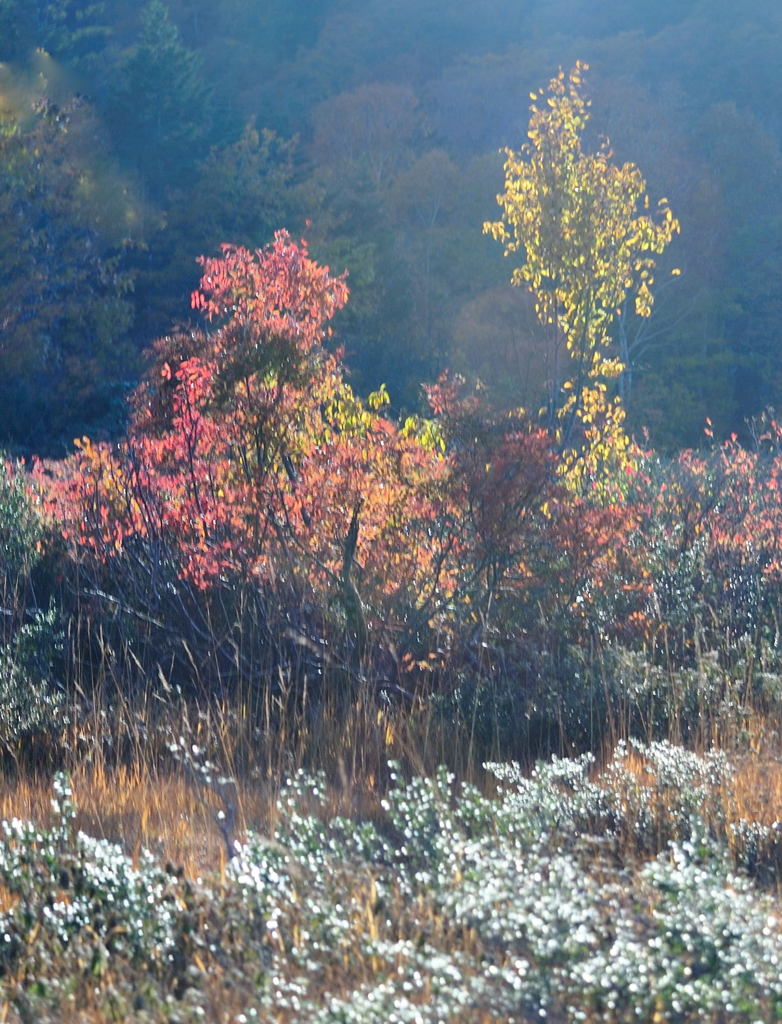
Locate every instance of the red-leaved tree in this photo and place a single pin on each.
(249, 460)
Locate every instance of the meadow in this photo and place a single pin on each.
(561, 815)
(311, 714)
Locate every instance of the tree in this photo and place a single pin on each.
(362, 142)
(160, 104)
(422, 201)
(250, 458)
(64, 283)
(72, 31)
(586, 248)
(498, 338)
(367, 132)
(241, 191)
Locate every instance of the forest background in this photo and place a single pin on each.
(137, 136)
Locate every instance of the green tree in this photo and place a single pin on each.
(160, 104)
(241, 192)
(64, 288)
(589, 240)
(72, 31)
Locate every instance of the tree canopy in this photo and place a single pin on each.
(588, 239)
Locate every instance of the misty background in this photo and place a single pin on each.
(134, 137)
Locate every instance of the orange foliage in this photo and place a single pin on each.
(249, 458)
(248, 453)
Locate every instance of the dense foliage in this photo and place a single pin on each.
(262, 528)
(137, 135)
(260, 520)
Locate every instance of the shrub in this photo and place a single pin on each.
(30, 639)
(21, 533)
(31, 699)
(570, 896)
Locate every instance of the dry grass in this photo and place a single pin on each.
(162, 806)
(145, 799)
(167, 809)
(755, 793)
(130, 790)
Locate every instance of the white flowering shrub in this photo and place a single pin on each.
(568, 896)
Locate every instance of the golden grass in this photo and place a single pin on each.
(755, 791)
(148, 800)
(166, 814)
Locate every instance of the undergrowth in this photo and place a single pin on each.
(573, 892)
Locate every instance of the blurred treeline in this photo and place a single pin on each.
(135, 136)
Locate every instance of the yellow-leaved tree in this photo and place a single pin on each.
(589, 240)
